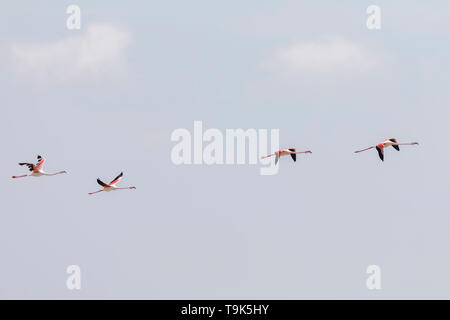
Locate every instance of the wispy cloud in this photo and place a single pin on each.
(334, 55)
(97, 53)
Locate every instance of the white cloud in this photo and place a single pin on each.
(327, 57)
(98, 52)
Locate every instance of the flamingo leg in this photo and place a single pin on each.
(23, 176)
(96, 191)
(364, 149)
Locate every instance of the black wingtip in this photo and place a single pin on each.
(100, 182)
(380, 153)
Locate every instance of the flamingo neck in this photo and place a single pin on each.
(53, 174)
(406, 144)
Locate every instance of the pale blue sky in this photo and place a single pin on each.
(225, 231)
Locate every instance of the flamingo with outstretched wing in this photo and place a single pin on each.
(285, 152)
(112, 185)
(36, 170)
(387, 143)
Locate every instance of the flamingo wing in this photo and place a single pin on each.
(380, 152)
(100, 182)
(40, 164)
(29, 165)
(116, 179)
(277, 157)
(396, 147)
(294, 156)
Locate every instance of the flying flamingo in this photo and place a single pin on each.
(112, 185)
(387, 143)
(285, 152)
(36, 169)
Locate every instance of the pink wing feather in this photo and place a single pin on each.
(40, 164)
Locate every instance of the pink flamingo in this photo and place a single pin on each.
(387, 143)
(112, 185)
(285, 152)
(37, 169)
